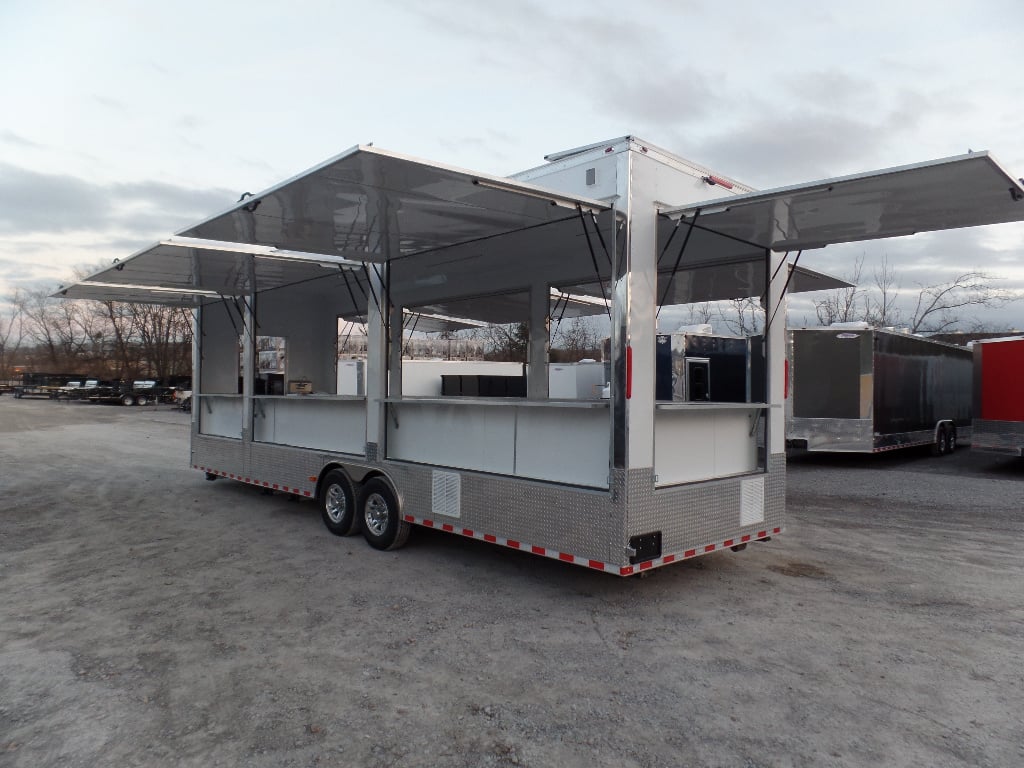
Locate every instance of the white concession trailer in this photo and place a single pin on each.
(622, 229)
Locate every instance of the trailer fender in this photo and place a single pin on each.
(358, 475)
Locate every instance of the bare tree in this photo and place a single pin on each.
(121, 323)
(12, 333)
(844, 305)
(164, 340)
(744, 317)
(880, 306)
(938, 307)
(507, 342)
(575, 341)
(67, 335)
(699, 313)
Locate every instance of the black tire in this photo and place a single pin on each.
(951, 440)
(381, 517)
(142, 400)
(338, 504)
(128, 399)
(941, 442)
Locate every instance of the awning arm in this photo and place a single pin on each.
(675, 268)
(782, 295)
(600, 238)
(563, 299)
(593, 259)
(348, 286)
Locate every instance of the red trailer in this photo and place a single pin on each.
(999, 396)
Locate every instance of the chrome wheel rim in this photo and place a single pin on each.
(376, 514)
(336, 504)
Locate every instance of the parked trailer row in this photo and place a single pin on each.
(620, 485)
(78, 387)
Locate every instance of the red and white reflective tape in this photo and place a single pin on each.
(629, 570)
(597, 565)
(260, 483)
(885, 448)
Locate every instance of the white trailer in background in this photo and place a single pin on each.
(620, 228)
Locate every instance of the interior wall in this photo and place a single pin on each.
(220, 330)
(308, 321)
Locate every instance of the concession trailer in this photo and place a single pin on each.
(865, 390)
(619, 230)
(999, 396)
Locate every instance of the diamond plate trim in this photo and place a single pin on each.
(582, 526)
(991, 436)
(692, 516)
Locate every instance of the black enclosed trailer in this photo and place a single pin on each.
(864, 390)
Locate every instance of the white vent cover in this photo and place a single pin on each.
(752, 501)
(447, 494)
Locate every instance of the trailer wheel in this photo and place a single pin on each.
(142, 400)
(338, 504)
(951, 439)
(941, 442)
(383, 526)
(128, 399)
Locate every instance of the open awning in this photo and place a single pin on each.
(963, 191)
(369, 204)
(185, 272)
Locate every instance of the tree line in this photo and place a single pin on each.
(118, 340)
(103, 339)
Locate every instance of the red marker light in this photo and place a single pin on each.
(713, 180)
(629, 372)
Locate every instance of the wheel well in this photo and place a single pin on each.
(356, 474)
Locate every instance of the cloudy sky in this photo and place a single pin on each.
(124, 121)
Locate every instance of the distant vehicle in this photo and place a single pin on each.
(998, 396)
(137, 392)
(38, 384)
(122, 392)
(862, 390)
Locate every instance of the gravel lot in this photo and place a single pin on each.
(151, 618)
